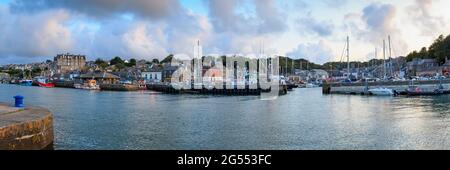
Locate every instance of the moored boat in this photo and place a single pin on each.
(417, 91)
(90, 85)
(78, 85)
(26, 82)
(382, 91)
(44, 82)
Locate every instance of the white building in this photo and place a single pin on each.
(152, 76)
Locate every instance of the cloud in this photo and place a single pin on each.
(235, 32)
(154, 9)
(335, 3)
(310, 25)
(421, 14)
(272, 20)
(57, 30)
(146, 40)
(225, 19)
(379, 19)
(378, 22)
(316, 52)
(27, 35)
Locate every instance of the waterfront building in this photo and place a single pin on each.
(4, 77)
(18, 67)
(318, 74)
(295, 79)
(68, 62)
(154, 75)
(423, 67)
(167, 73)
(128, 74)
(71, 75)
(445, 70)
(212, 75)
(100, 77)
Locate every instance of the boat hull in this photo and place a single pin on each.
(382, 92)
(431, 93)
(46, 85)
(26, 83)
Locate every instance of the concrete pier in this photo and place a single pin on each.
(65, 84)
(233, 92)
(119, 87)
(29, 128)
(400, 87)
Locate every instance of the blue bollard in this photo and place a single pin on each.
(18, 101)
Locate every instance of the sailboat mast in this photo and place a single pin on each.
(376, 56)
(390, 55)
(384, 59)
(292, 66)
(286, 66)
(348, 57)
(300, 63)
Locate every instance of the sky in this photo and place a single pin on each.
(33, 31)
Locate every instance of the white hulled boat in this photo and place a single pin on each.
(382, 91)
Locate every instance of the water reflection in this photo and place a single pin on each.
(303, 119)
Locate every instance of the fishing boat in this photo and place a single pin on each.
(90, 85)
(44, 82)
(382, 91)
(26, 82)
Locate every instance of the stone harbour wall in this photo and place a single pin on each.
(29, 128)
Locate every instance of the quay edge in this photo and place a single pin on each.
(400, 86)
(233, 92)
(29, 128)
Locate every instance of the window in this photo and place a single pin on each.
(150, 76)
(156, 76)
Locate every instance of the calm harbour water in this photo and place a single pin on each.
(303, 119)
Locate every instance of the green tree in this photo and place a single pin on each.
(438, 50)
(120, 66)
(131, 63)
(36, 71)
(116, 60)
(15, 72)
(101, 63)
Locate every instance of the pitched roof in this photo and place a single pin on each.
(99, 75)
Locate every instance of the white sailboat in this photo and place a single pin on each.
(382, 91)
